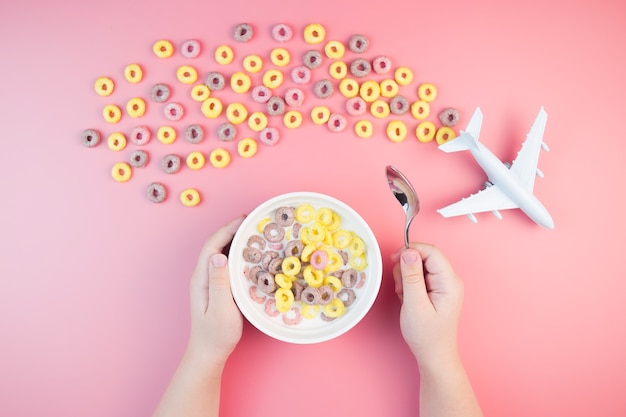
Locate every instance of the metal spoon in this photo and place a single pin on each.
(406, 195)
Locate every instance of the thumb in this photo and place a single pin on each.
(413, 283)
(220, 295)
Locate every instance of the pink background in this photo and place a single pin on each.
(94, 296)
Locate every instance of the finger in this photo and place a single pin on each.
(413, 284)
(219, 294)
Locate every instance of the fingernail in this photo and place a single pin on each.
(218, 260)
(409, 257)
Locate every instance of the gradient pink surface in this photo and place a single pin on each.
(94, 299)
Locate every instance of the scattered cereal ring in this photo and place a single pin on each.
(420, 110)
(449, 116)
(261, 94)
(283, 296)
(166, 135)
(334, 309)
(301, 75)
(285, 216)
(369, 91)
(243, 32)
(326, 295)
(190, 197)
(90, 137)
(294, 248)
(252, 63)
(309, 311)
(265, 282)
(273, 232)
(349, 87)
(170, 164)
(323, 89)
(389, 88)
(112, 113)
(427, 92)
(381, 64)
(187, 74)
(269, 136)
(319, 259)
(163, 48)
(425, 131)
(360, 67)
(136, 107)
(236, 113)
(140, 135)
(314, 33)
(364, 128)
(334, 49)
(276, 106)
(156, 192)
(292, 119)
(333, 282)
(257, 121)
(133, 73)
(347, 296)
(195, 160)
(226, 132)
(219, 157)
(215, 81)
(338, 70)
(247, 147)
(173, 111)
(121, 172)
(396, 130)
(211, 107)
(190, 48)
(194, 133)
(282, 32)
(403, 76)
(320, 115)
(240, 82)
(160, 93)
(312, 59)
(252, 254)
(116, 141)
(356, 106)
(337, 122)
(399, 105)
(294, 97)
(138, 159)
(358, 44)
(224, 54)
(379, 109)
(310, 296)
(272, 78)
(280, 57)
(200, 92)
(444, 134)
(104, 86)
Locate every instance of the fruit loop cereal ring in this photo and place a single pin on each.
(90, 137)
(282, 32)
(280, 57)
(104, 86)
(269, 136)
(240, 82)
(257, 121)
(334, 309)
(294, 248)
(309, 311)
(252, 63)
(425, 131)
(219, 157)
(133, 73)
(369, 91)
(356, 106)
(310, 296)
(236, 113)
(266, 283)
(112, 113)
(170, 164)
(272, 78)
(420, 110)
(320, 115)
(247, 147)
(187, 74)
(224, 55)
(285, 216)
(276, 106)
(444, 134)
(347, 296)
(379, 109)
(190, 197)
(294, 97)
(359, 44)
(116, 141)
(200, 92)
(251, 254)
(396, 131)
(272, 232)
(399, 105)
(334, 49)
(138, 159)
(319, 259)
(140, 135)
(314, 33)
(121, 172)
(338, 70)
(211, 107)
(381, 64)
(312, 59)
(364, 128)
(323, 89)
(301, 75)
(160, 93)
(195, 160)
(292, 119)
(163, 48)
(215, 81)
(427, 92)
(261, 94)
(337, 122)
(226, 132)
(360, 67)
(403, 76)
(349, 87)
(173, 111)
(283, 296)
(389, 88)
(326, 295)
(156, 192)
(190, 48)
(291, 266)
(194, 133)
(166, 135)
(243, 32)
(136, 107)
(449, 117)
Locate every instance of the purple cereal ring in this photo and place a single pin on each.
(294, 97)
(269, 136)
(261, 94)
(399, 105)
(251, 254)
(381, 65)
(282, 32)
(347, 296)
(337, 122)
(344, 256)
(243, 32)
(90, 138)
(349, 278)
(285, 216)
(296, 288)
(323, 89)
(358, 44)
(275, 266)
(301, 75)
(310, 296)
(312, 59)
(215, 81)
(267, 258)
(294, 248)
(265, 282)
(138, 159)
(140, 135)
(253, 274)
(326, 295)
(170, 164)
(296, 230)
(275, 106)
(194, 133)
(356, 106)
(324, 317)
(226, 132)
(173, 111)
(449, 117)
(156, 192)
(160, 93)
(256, 241)
(360, 67)
(273, 232)
(190, 48)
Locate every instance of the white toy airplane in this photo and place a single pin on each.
(508, 186)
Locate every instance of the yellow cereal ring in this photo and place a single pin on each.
(315, 233)
(379, 109)
(252, 63)
(136, 107)
(166, 135)
(420, 109)
(200, 92)
(224, 54)
(389, 88)
(112, 113)
(292, 119)
(333, 282)
(444, 134)
(291, 265)
(187, 74)
(236, 113)
(219, 157)
(116, 141)
(358, 262)
(364, 128)
(280, 57)
(190, 197)
(334, 49)
(121, 172)
(320, 115)
(195, 160)
(272, 78)
(425, 131)
(341, 239)
(335, 223)
(309, 311)
(211, 107)
(335, 262)
(284, 299)
(104, 86)
(163, 48)
(356, 245)
(370, 91)
(240, 82)
(305, 213)
(313, 277)
(257, 121)
(247, 147)
(396, 130)
(314, 33)
(133, 73)
(308, 250)
(403, 75)
(283, 281)
(427, 92)
(349, 87)
(324, 216)
(335, 308)
(338, 70)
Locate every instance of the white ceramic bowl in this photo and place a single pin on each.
(308, 330)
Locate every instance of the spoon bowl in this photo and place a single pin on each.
(406, 196)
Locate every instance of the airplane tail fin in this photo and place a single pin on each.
(469, 137)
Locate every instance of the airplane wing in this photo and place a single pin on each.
(525, 165)
(489, 199)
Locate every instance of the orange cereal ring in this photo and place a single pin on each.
(247, 147)
(195, 160)
(272, 78)
(403, 76)
(252, 63)
(166, 135)
(389, 88)
(338, 70)
(427, 92)
(425, 131)
(444, 134)
(320, 115)
(104, 86)
(116, 141)
(292, 119)
(133, 73)
(349, 87)
(379, 109)
(211, 107)
(219, 157)
(280, 57)
(240, 82)
(112, 113)
(187, 74)
(257, 121)
(224, 54)
(420, 109)
(121, 172)
(314, 33)
(136, 107)
(364, 128)
(236, 113)
(190, 197)
(370, 91)
(334, 49)
(396, 131)
(200, 92)
(163, 48)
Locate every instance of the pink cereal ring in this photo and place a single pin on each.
(261, 94)
(190, 48)
(282, 32)
(337, 122)
(319, 259)
(140, 135)
(270, 308)
(269, 136)
(255, 296)
(301, 75)
(294, 97)
(173, 111)
(292, 317)
(356, 106)
(361, 281)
